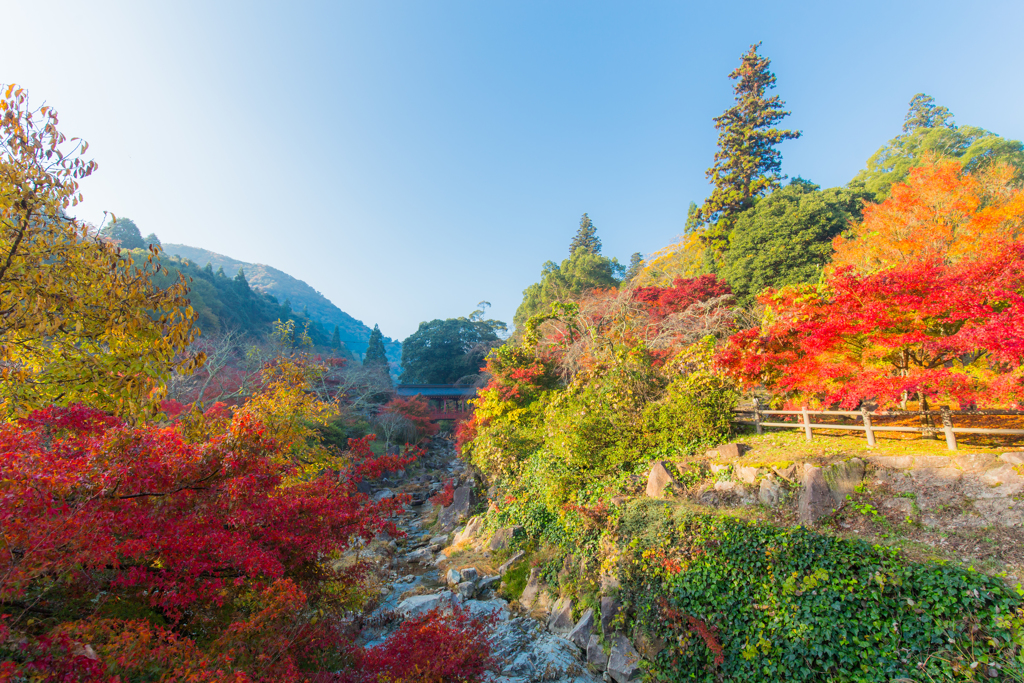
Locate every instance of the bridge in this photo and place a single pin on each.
(447, 401)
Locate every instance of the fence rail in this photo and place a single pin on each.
(944, 414)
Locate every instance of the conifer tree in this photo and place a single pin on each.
(636, 263)
(336, 338)
(747, 164)
(124, 232)
(152, 240)
(375, 353)
(586, 238)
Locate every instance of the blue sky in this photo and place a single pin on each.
(409, 159)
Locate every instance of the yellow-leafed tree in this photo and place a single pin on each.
(78, 323)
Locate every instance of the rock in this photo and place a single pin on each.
(416, 605)
(472, 530)
(974, 462)
(1002, 482)
(843, 477)
(1001, 511)
(1016, 458)
(660, 483)
(462, 501)
(649, 646)
(787, 473)
(597, 660)
(623, 664)
(717, 467)
(729, 450)
(770, 492)
(528, 653)
(609, 584)
(423, 555)
(532, 589)
(467, 589)
(487, 583)
(483, 608)
(560, 619)
(748, 475)
(383, 495)
(580, 634)
(610, 607)
(470, 574)
(502, 538)
(816, 499)
(453, 577)
(508, 565)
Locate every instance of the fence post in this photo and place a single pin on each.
(947, 426)
(867, 425)
(807, 422)
(757, 416)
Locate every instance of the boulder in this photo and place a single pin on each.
(472, 530)
(1015, 458)
(816, 499)
(974, 462)
(488, 582)
(383, 495)
(532, 589)
(623, 663)
(659, 481)
(453, 577)
(508, 565)
(462, 501)
(717, 467)
(748, 475)
(470, 574)
(729, 450)
(647, 645)
(560, 619)
(770, 492)
(416, 605)
(787, 473)
(597, 660)
(502, 538)
(610, 607)
(584, 628)
(467, 589)
(843, 477)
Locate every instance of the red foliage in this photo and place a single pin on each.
(684, 292)
(203, 534)
(465, 432)
(416, 409)
(432, 648)
(945, 330)
(445, 496)
(595, 515)
(709, 634)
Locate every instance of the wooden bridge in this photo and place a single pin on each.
(447, 401)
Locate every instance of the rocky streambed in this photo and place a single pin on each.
(429, 569)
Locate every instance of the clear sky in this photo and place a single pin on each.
(409, 159)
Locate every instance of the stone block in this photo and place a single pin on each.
(560, 620)
(659, 483)
(597, 660)
(729, 450)
(816, 499)
(787, 473)
(532, 590)
(974, 462)
(624, 661)
(1015, 458)
(453, 577)
(610, 607)
(748, 475)
(770, 492)
(462, 501)
(502, 538)
(472, 530)
(511, 561)
(843, 477)
(584, 628)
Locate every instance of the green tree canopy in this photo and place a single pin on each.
(928, 129)
(576, 275)
(786, 238)
(636, 264)
(124, 232)
(445, 351)
(586, 238)
(747, 164)
(151, 239)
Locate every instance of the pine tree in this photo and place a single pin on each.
(586, 238)
(375, 353)
(336, 338)
(124, 232)
(636, 262)
(152, 240)
(747, 164)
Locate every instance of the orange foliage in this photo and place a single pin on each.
(940, 212)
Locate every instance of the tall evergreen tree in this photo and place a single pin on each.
(375, 353)
(124, 232)
(586, 238)
(636, 262)
(152, 240)
(747, 164)
(336, 338)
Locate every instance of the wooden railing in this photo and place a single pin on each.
(944, 413)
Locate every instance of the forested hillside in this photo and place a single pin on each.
(300, 296)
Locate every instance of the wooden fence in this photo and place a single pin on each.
(944, 413)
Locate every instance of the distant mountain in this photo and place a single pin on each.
(300, 296)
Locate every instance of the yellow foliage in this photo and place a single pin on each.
(684, 258)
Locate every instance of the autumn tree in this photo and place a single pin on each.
(930, 132)
(944, 331)
(77, 321)
(747, 164)
(586, 238)
(942, 212)
(124, 233)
